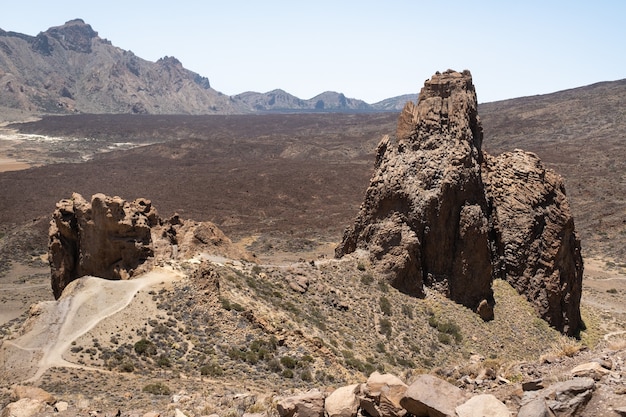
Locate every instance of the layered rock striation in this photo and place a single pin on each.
(537, 249)
(441, 214)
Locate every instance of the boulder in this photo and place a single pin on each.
(430, 396)
(565, 399)
(590, 369)
(343, 402)
(485, 405)
(381, 395)
(61, 406)
(309, 404)
(34, 393)
(535, 408)
(26, 407)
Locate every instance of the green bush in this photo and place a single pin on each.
(127, 366)
(274, 365)
(306, 376)
(385, 306)
(444, 338)
(447, 329)
(287, 373)
(367, 279)
(157, 388)
(211, 369)
(407, 310)
(227, 305)
(385, 327)
(164, 361)
(145, 347)
(288, 362)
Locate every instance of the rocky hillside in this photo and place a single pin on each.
(329, 101)
(69, 68)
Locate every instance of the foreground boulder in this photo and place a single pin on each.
(432, 397)
(309, 404)
(439, 213)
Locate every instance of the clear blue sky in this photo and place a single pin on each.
(366, 49)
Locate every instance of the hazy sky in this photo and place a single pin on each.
(366, 49)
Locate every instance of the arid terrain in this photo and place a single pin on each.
(284, 187)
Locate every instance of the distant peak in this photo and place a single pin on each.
(75, 22)
(169, 60)
(75, 35)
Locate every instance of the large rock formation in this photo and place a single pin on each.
(425, 215)
(112, 238)
(439, 213)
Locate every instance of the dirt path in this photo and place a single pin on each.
(58, 323)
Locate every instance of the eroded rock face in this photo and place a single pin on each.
(111, 238)
(440, 213)
(425, 216)
(107, 237)
(538, 251)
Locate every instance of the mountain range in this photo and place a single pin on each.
(70, 69)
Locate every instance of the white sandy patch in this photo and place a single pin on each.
(56, 324)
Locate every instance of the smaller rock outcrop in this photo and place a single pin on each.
(107, 237)
(112, 238)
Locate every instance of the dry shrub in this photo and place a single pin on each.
(618, 343)
(564, 347)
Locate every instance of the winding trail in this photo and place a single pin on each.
(88, 301)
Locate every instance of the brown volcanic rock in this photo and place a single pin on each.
(537, 246)
(440, 214)
(115, 239)
(107, 237)
(425, 215)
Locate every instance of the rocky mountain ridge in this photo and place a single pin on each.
(69, 69)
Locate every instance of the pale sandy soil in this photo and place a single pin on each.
(22, 286)
(8, 164)
(604, 289)
(54, 325)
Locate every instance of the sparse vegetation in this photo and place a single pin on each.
(385, 306)
(367, 279)
(145, 347)
(157, 388)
